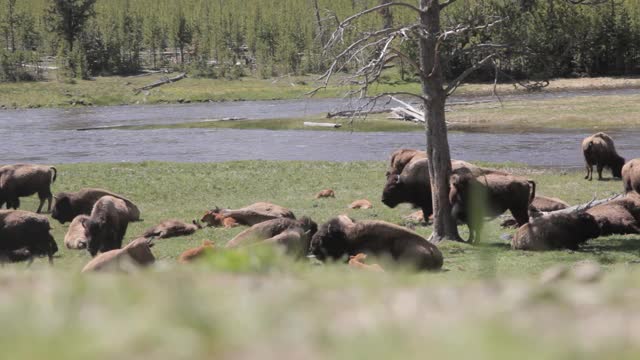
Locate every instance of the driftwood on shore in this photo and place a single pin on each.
(317, 124)
(162, 82)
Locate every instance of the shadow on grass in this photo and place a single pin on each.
(614, 244)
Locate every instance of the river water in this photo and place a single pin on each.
(50, 136)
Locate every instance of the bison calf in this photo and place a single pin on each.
(361, 204)
(75, 238)
(599, 150)
(24, 180)
(196, 253)
(342, 237)
(326, 193)
(26, 230)
(107, 225)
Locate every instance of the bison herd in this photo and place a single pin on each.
(100, 218)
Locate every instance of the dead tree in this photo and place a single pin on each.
(373, 49)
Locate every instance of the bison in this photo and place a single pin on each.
(413, 185)
(26, 230)
(68, 205)
(618, 216)
(248, 215)
(539, 203)
(631, 176)
(401, 158)
(490, 195)
(215, 218)
(294, 235)
(24, 180)
(599, 150)
(135, 254)
(196, 253)
(107, 225)
(560, 230)
(75, 238)
(172, 228)
(361, 204)
(357, 262)
(342, 237)
(326, 193)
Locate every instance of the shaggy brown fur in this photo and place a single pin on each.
(257, 213)
(631, 176)
(294, 235)
(599, 150)
(556, 231)
(342, 237)
(497, 192)
(68, 205)
(196, 253)
(413, 185)
(26, 230)
(357, 262)
(172, 228)
(401, 158)
(134, 255)
(75, 237)
(361, 204)
(24, 180)
(539, 203)
(107, 225)
(619, 216)
(326, 193)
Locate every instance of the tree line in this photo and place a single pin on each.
(233, 38)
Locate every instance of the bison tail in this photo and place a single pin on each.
(55, 174)
(532, 195)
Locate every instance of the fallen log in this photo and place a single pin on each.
(163, 81)
(352, 113)
(316, 124)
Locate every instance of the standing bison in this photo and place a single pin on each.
(598, 150)
(402, 157)
(68, 205)
(26, 230)
(24, 180)
(107, 225)
(489, 195)
(343, 237)
(631, 176)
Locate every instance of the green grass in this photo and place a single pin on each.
(486, 302)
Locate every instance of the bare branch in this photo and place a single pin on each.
(447, 3)
(455, 83)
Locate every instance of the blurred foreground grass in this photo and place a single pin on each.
(486, 303)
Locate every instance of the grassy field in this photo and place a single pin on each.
(487, 301)
(116, 90)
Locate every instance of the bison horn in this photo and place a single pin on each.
(397, 179)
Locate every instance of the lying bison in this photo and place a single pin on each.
(489, 195)
(342, 237)
(618, 216)
(248, 215)
(68, 205)
(26, 230)
(401, 158)
(539, 203)
(134, 255)
(171, 228)
(560, 230)
(107, 225)
(413, 185)
(598, 150)
(24, 180)
(293, 235)
(631, 176)
(75, 238)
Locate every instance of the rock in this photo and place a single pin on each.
(587, 271)
(554, 274)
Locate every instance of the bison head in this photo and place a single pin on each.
(308, 225)
(62, 210)
(394, 191)
(330, 241)
(616, 167)
(213, 218)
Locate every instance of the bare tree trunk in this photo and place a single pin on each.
(444, 226)
(387, 16)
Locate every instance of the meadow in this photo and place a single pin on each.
(487, 300)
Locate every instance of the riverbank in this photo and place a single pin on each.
(261, 304)
(114, 90)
